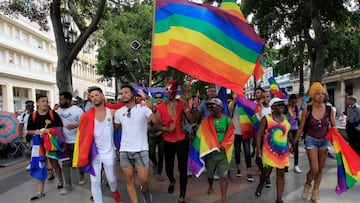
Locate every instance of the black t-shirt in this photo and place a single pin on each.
(40, 121)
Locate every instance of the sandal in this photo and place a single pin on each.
(181, 200)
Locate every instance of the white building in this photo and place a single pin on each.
(28, 66)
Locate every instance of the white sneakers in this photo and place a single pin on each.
(28, 167)
(297, 169)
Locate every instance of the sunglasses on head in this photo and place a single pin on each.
(279, 104)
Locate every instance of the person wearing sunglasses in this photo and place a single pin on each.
(169, 120)
(134, 148)
(272, 146)
(316, 117)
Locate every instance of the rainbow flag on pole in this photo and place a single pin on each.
(205, 42)
(275, 89)
(348, 162)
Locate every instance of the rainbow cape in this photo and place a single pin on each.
(348, 162)
(248, 117)
(274, 88)
(38, 168)
(205, 42)
(85, 149)
(206, 142)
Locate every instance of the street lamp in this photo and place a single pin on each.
(115, 65)
(70, 33)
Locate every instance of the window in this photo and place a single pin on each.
(2, 55)
(37, 43)
(7, 29)
(25, 62)
(16, 92)
(37, 66)
(24, 37)
(109, 83)
(17, 59)
(16, 33)
(10, 57)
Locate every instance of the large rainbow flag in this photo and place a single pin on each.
(205, 42)
(206, 142)
(348, 162)
(248, 116)
(232, 7)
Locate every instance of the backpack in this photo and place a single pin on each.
(51, 113)
(309, 110)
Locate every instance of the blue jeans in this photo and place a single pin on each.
(246, 148)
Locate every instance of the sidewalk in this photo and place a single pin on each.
(19, 187)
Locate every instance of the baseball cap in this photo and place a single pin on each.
(353, 97)
(275, 100)
(215, 101)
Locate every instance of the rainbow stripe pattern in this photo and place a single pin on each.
(205, 42)
(55, 144)
(274, 88)
(348, 162)
(275, 150)
(206, 142)
(247, 115)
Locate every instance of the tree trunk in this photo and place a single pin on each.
(64, 77)
(317, 68)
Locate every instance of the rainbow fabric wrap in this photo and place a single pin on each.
(275, 149)
(348, 162)
(248, 117)
(206, 142)
(38, 167)
(204, 42)
(274, 88)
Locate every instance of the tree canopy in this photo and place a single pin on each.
(333, 37)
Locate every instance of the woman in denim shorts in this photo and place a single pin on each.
(317, 124)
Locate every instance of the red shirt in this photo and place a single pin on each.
(177, 134)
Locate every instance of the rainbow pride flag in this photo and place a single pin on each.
(205, 42)
(259, 68)
(248, 116)
(55, 144)
(206, 142)
(348, 162)
(274, 88)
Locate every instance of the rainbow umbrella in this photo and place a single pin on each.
(9, 127)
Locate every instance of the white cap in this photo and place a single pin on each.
(215, 101)
(74, 99)
(274, 100)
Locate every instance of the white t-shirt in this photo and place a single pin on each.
(265, 111)
(104, 136)
(134, 128)
(24, 118)
(68, 116)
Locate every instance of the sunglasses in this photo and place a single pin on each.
(211, 106)
(319, 123)
(128, 113)
(158, 97)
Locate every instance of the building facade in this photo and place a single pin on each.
(28, 61)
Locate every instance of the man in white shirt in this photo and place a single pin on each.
(70, 116)
(24, 117)
(134, 149)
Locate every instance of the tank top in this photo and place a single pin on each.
(103, 136)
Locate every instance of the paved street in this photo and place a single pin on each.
(17, 186)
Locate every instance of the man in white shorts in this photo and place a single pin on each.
(134, 148)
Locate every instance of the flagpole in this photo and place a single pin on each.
(151, 53)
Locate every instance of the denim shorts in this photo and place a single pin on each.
(312, 143)
(134, 159)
